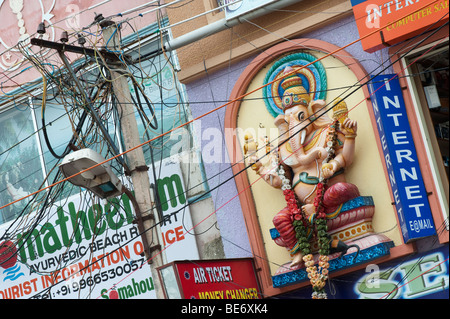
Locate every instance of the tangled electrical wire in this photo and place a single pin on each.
(60, 94)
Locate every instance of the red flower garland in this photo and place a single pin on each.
(317, 275)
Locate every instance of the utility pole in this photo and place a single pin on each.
(136, 166)
(136, 160)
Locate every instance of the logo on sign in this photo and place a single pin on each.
(373, 20)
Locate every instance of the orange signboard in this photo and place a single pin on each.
(384, 23)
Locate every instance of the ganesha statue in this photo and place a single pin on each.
(313, 152)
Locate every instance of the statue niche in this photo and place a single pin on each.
(325, 217)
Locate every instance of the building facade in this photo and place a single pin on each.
(55, 236)
(232, 61)
(223, 92)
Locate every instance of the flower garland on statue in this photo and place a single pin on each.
(317, 275)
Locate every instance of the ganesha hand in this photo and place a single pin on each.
(327, 170)
(330, 168)
(255, 163)
(349, 128)
(321, 153)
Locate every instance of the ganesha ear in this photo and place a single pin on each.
(317, 113)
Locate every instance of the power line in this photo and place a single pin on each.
(190, 103)
(234, 100)
(324, 112)
(232, 177)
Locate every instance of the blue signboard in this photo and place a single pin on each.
(401, 160)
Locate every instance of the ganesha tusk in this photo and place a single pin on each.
(302, 137)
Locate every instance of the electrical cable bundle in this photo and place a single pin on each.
(59, 88)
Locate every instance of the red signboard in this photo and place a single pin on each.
(217, 279)
(384, 23)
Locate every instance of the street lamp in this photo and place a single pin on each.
(100, 180)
